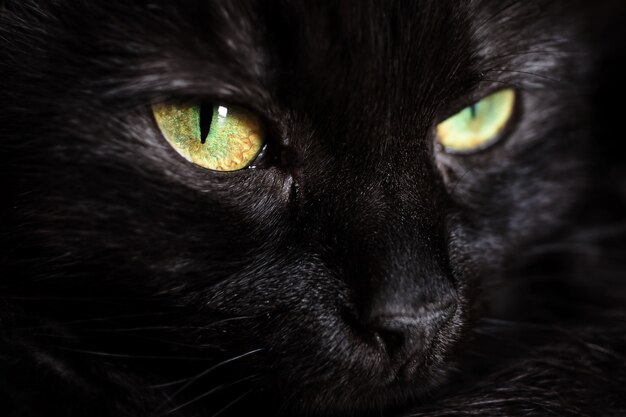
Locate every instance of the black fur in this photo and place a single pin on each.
(135, 283)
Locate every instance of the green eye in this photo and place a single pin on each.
(478, 125)
(216, 137)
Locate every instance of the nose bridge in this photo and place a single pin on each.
(390, 244)
(388, 228)
(407, 271)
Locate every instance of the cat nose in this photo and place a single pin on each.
(406, 331)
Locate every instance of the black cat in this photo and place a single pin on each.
(359, 264)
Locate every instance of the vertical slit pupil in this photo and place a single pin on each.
(206, 114)
(473, 111)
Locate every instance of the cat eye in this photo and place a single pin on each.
(214, 136)
(479, 125)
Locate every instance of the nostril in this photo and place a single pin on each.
(400, 335)
(392, 341)
(403, 332)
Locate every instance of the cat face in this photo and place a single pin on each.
(343, 272)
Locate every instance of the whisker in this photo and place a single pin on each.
(211, 369)
(206, 327)
(111, 319)
(610, 230)
(81, 299)
(130, 356)
(513, 324)
(211, 391)
(460, 179)
(236, 400)
(117, 317)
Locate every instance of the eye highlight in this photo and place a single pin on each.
(479, 125)
(214, 136)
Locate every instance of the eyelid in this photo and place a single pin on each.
(473, 97)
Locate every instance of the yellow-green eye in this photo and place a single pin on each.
(216, 137)
(478, 125)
